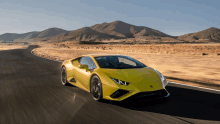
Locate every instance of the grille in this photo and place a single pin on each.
(150, 95)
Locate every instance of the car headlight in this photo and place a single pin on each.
(162, 78)
(120, 82)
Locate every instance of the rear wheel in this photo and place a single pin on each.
(63, 76)
(96, 88)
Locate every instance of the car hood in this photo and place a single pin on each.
(143, 79)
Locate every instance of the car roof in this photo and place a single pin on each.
(96, 55)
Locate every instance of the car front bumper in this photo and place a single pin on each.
(135, 95)
(149, 95)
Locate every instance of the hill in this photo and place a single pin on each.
(113, 30)
(50, 32)
(210, 34)
(82, 34)
(125, 30)
(13, 36)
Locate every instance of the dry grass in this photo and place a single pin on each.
(163, 49)
(9, 47)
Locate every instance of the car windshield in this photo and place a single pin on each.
(118, 62)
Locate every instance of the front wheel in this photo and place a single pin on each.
(96, 88)
(63, 76)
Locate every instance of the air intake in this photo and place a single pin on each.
(72, 80)
(119, 93)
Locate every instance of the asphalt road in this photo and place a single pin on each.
(31, 92)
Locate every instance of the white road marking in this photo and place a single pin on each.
(195, 86)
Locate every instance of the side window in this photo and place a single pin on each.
(88, 61)
(91, 63)
(83, 61)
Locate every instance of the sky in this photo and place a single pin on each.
(173, 17)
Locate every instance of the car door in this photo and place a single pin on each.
(73, 70)
(84, 76)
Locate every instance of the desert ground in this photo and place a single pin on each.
(193, 64)
(11, 46)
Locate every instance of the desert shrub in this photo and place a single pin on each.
(66, 34)
(204, 53)
(195, 38)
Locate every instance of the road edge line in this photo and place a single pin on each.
(194, 86)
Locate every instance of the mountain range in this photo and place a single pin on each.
(108, 31)
(13, 36)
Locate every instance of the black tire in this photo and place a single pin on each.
(63, 76)
(96, 88)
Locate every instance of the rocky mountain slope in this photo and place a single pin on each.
(87, 34)
(210, 34)
(50, 32)
(125, 30)
(113, 30)
(13, 36)
(45, 34)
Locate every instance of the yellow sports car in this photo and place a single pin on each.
(114, 77)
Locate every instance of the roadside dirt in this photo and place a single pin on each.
(181, 63)
(8, 47)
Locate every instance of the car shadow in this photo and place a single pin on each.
(182, 102)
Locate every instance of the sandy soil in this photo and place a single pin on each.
(182, 63)
(9, 47)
